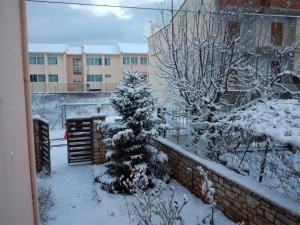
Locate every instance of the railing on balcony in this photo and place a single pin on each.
(57, 87)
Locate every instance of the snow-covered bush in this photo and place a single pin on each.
(133, 161)
(261, 141)
(159, 164)
(46, 202)
(208, 191)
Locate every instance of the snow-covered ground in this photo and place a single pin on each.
(80, 201)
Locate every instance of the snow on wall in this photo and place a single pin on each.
(238, 196)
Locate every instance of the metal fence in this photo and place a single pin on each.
(270, 162)
(69, 110)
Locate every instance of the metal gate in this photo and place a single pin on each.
(42, 144)
(80, 142)
(45, 146)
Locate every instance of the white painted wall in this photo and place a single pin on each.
(16, 206)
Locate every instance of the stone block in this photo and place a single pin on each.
(252, 202)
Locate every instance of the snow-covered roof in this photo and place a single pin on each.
(121, 48)
(74, 50)
(133, 48)
(46, 48)
(101, 49)
(279, 119)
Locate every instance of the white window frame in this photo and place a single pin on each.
(53, 75)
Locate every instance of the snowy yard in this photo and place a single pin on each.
(49, 106)
(78, 200)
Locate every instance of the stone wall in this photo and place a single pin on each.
(99, 147)
(238, 197)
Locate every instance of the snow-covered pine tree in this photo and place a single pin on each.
(127, 140)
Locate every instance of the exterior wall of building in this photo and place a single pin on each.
(16, 190)
(143, 69)
(74, 81)
(46, 69)
(114, 70)
(111, 74)
(59, 69)
(291, 35)
(67, 81)
(161, 87)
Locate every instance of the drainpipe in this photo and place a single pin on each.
(24, 45)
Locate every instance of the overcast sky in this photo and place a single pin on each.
(51, 23)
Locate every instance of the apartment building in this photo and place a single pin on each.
(64, 68)
(282, 28)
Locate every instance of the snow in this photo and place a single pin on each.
(78, 200)
(101, 49)
(116, 204)
(112, 119)
(162, 157)
(246, 182)
(133, 48)
(38, 117)
(57, 134)
(124, 134)
(127, 48)
(74, 50)
(279, 119)
(46, 48)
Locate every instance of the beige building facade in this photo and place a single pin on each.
(57, 68)
(283, 27)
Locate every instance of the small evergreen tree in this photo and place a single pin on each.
(127, 140)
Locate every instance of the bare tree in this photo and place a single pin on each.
(205, 56)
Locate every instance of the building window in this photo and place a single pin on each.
(107, 76)
(37, 78)
(277, 33)
(144, 77)
(89, 61)
(130, 60)
(134, 60)
(144, 60)
(93, 61)
(33, 78)
(90, 78)
(107, 61)
(233, 30)
(52, 60)
(94, 78)
(36, 60)
(32, 60)
(126, 60)
(53, 78)
(76, 66)
(98, 78)
(98, 61)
